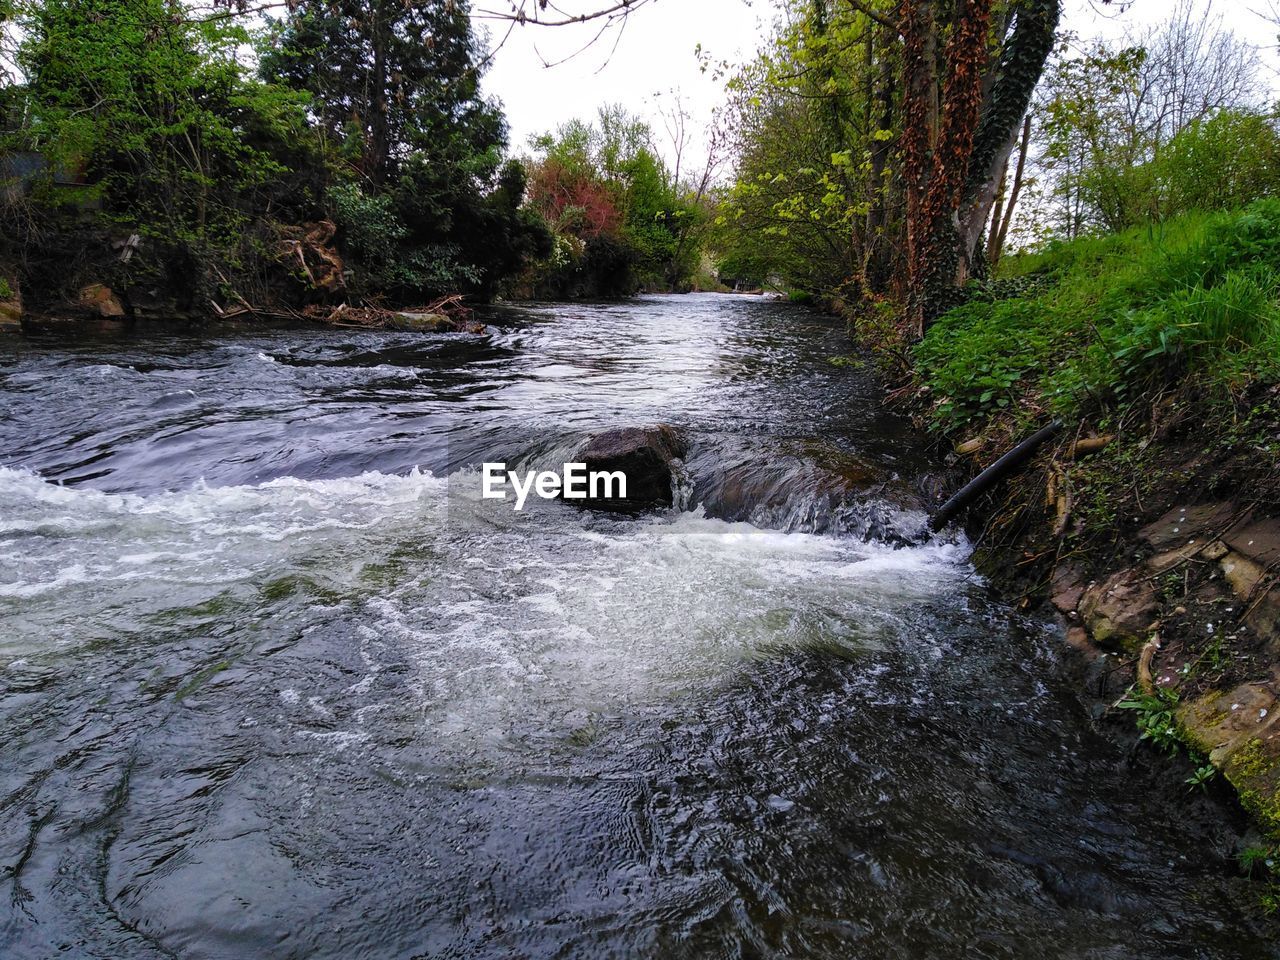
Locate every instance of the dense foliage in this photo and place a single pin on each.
(148, 123)
(874, 137)
(144, 118)
(811, 204)
(420, 191)
(1156, 226)
(1150, 127)
(621, 219)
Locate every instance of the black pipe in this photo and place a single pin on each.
(992, 475)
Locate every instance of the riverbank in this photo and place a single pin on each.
(1152, 523)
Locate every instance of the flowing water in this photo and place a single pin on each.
(276, 682)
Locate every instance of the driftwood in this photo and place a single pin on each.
(989, 477)
(309, 248)
(453, 313)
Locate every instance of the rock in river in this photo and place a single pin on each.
(645, 454)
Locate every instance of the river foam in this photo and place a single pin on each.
(568, 607)
(77, 554)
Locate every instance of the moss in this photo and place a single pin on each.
(1255, 774)
(200, 679)
(1251, 760)
(279, 588)
(1196, 720)
(1191, 729)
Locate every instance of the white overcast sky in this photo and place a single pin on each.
(655, 55)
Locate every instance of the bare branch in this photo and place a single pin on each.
(534, 13)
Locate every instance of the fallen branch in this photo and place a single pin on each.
(1063, 502)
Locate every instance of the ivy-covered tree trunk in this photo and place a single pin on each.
(952, 153)
(938, 248)
(1016, 71)
(919, 117)
(877, 261)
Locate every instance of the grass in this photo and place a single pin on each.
(1263, 863)
(1100, 320)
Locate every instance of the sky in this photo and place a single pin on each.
(655, 55)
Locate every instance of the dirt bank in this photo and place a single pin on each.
(1157, 540)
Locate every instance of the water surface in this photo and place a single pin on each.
(276, 683)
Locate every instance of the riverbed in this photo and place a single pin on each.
(276, 682)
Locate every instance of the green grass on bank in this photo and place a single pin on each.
(1097, 321)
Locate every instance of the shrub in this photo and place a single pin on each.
(1225, 161)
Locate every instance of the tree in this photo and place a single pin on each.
(812, 203)
(535, 12)
(1108, 110)
(387, 79)
(162, 127)
(621, 220)
(881, 129)
(956, 143)
(423, 201)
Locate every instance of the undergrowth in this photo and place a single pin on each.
(1263, 863)
(1100, 320)
(1157, 722)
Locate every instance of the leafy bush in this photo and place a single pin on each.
(381, 244)
(1225, 161)
(976, 354)
(618, 213)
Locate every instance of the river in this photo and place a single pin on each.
(276, 682)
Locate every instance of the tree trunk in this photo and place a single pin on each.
(938, 256)
(919, 116)
(1018, 70)
(997, 214)
(876, 263)
(377, 154)
(998, 239)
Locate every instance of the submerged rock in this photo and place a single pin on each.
(810, 486)
(647, 455)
